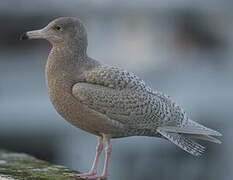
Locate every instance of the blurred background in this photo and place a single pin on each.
(181, 47)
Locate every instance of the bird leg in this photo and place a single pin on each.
(107, 157)
(99, 149)
(93, 171)
(104, 175)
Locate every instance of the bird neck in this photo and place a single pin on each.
(69, 53)
(74, 48)
(62, 59)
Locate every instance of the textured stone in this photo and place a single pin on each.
(20, 166)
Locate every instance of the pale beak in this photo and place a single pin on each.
(37, 34)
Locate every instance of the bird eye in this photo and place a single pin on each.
(58, 28)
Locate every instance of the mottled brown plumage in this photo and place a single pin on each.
(108, 101)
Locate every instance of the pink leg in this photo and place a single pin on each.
(92, 172)
(106, 162)
(107, 157)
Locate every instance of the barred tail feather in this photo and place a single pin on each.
(192, 127)
(205, 138)
(191, 130)
(183, 142)
(181, 136)
(192, 123)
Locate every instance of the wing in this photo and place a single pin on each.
(113, 77)
(120, 79)
(122, 105)
(124, 97)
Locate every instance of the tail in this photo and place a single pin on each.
(181, 136)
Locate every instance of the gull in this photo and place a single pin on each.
(108, 101)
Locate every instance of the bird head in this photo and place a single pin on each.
(63, 30)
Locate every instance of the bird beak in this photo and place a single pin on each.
(37, 34)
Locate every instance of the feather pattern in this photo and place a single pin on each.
(191, 130)
(123, 97)
(183, 142)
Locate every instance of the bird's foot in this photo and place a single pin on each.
(95, 177)
(89, 175)
(83, 175)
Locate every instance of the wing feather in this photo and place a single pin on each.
(124, 97)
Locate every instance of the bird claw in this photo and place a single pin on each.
(87, 176)
(95, 177)
(83, 175)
